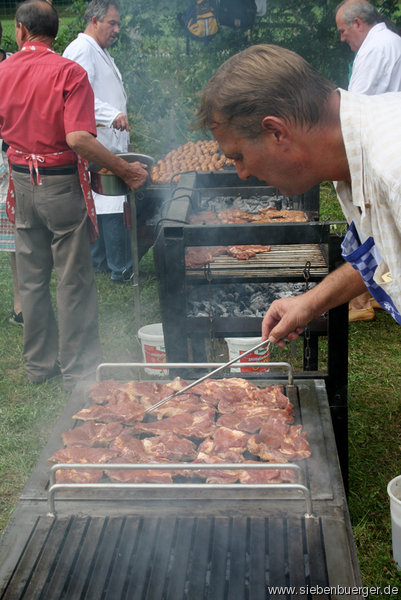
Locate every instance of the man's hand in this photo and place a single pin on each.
(83, 143)
(136, 175)
(286, 319)
(121, 122)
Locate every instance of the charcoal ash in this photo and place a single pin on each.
(238, 300)
(249, 205)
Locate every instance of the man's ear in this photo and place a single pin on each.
(23, 32)
(277, 126)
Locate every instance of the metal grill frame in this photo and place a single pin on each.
(180, 550)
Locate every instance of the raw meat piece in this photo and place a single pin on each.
(246, 252)
(215, 475)
(115, 411)
(92, 434)
(185, 403)
(273, 215)
(226, 444)
(78, 476)
(169, 446)
(267, 476)
(137, 476)
(198, 256)
(276, 445)
(242, 422)
(103, 391)
(225, 439)
(295, 444)
(128, 446)
(193, 425)
(207, 217)
(74, 454)
(215, 390)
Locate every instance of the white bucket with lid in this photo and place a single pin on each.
(153, 348)
(238, 346)
(394, 492)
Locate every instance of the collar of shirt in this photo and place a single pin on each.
(36, 46)
(371, 33)
(350, 107)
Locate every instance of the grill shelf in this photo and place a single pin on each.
(282, 262)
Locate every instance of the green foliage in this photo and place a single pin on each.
(163, 71)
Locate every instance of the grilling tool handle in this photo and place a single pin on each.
(191, 385)
(126, 215)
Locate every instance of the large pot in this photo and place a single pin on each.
(109, 184)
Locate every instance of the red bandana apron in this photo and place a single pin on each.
(51, 160)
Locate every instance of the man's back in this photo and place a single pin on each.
(377, 65)
(39, 87)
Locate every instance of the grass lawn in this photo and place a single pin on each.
(28, 412)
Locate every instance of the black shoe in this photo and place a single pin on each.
(16, 319)
(55, 372)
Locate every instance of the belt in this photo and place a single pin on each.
(61, 170)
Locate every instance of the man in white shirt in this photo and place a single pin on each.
(296, 140)
(90, 49)
(377, 65)
(375, 70)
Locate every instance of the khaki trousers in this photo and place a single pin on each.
(52, 231)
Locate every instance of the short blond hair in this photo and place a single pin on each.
(259, 81)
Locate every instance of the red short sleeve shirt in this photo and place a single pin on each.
(43, 97)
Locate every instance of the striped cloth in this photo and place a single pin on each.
(6, 227)
(371, 127)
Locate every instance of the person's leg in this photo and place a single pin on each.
(34, 266)
(117, 244)
(80, 350)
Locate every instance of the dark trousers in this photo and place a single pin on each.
(112, 251)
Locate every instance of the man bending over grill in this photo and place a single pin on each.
(279, 120)
(47, 119)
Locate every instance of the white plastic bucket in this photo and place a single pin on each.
(153, 349)
(238, 346)
(394, 491)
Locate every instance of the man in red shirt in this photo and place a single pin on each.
(47, 119)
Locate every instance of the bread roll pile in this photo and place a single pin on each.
(192, 156)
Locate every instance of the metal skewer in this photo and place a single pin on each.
(221, 368)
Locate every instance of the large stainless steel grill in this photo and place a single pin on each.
(216, 542)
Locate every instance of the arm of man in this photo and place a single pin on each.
(287, 317)
(86, 145)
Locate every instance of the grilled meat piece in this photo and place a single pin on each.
(122, 410)
(275, 444)
(130, 447)
(193, 425)
(137, 476)
(256, 476)
(92, 434)
(247, 252)
(216, 475)
(74, 454)
(79, 476)
(169, 446)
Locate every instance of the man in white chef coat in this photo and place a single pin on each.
(376, 70)
(111, 252)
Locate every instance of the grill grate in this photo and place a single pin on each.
(282, 261)
(223, 558)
